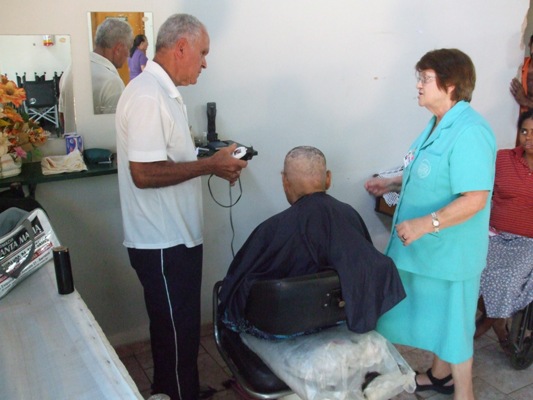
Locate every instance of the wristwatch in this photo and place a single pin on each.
(435, 221)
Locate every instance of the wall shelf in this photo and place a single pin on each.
(32, 175)
(383, 208)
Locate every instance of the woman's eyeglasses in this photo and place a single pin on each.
(424, 79)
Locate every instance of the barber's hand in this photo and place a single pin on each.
(377, 186)
(226, 166)
(413, 229)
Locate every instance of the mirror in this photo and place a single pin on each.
(106, 63)
(36, 57)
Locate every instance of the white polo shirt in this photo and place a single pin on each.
(107, 84)
(152, 125)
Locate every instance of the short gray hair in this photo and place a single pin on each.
(176, 27)
(113, 31)
(305, 162)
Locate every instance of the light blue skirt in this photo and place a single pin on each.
(437, 316)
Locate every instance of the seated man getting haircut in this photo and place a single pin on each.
(315, 233)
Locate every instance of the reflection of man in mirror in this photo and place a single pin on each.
(112, 42)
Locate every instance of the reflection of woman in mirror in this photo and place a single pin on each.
(138, 59)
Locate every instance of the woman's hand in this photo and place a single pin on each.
(413, 229)
(519, 95)
(380, 186)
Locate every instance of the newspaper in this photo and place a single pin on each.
(16, 246)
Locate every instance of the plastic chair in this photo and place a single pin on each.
(41, 101)
(281, 307)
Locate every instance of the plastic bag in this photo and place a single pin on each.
(337, 364)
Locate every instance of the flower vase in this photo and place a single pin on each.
(10, 165)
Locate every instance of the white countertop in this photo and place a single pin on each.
(51, 347)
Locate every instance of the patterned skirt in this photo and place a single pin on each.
(507, 280)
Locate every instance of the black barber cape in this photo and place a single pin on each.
(316, 232)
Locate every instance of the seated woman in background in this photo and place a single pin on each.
(507, 281)
(138, 59)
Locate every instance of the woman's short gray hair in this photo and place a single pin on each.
(176, 27)
(113, 31)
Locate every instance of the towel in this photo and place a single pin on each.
(72, 162)
(9, 166)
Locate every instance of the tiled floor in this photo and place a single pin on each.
(494, 378)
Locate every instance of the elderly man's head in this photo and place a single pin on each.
(113, 41)
(304, 172)
(181, 48)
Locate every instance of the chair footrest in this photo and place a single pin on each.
(249, 365)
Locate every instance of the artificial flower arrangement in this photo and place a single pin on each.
(19, 135)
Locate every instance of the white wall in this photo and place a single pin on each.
(337, 75)
(26, 54)
(340, 76)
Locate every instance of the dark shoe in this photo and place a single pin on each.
(206, 392)
(506, 346)
(436, 384)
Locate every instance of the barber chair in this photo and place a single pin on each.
(282, 307)
(41, 101)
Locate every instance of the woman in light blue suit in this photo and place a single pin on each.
(439, 240)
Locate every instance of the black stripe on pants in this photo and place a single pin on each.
(172, 279)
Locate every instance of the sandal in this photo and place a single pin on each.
(436, 384)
